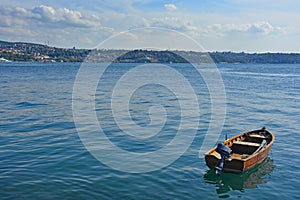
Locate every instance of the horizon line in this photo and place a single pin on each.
(207, 51)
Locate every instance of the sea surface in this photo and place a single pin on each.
(42, 155)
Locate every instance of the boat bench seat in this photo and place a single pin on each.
(247, 143)
(257, 136)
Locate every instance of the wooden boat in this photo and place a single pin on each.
(240, 153)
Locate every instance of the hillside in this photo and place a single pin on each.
(30, 52)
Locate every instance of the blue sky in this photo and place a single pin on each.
(218, 25)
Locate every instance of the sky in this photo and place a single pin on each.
(217, 25)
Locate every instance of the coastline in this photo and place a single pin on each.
(30, 52)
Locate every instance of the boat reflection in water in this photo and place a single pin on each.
(249, 179)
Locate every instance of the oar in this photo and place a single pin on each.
(262, 145)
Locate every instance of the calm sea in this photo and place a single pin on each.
(42, 156)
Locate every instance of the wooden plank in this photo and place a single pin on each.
(247, 143)
(257, 136)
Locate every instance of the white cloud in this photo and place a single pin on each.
(122, 22)
(60, 26)
(64, 16)
(46, 12)
(170, 7)
(263, 28)
(47, 15)
(173, 23)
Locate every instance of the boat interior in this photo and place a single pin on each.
(247, 144)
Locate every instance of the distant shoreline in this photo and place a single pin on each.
(30, 52)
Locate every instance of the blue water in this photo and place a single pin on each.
(42, 156)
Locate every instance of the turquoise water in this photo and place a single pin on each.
(42, 156)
